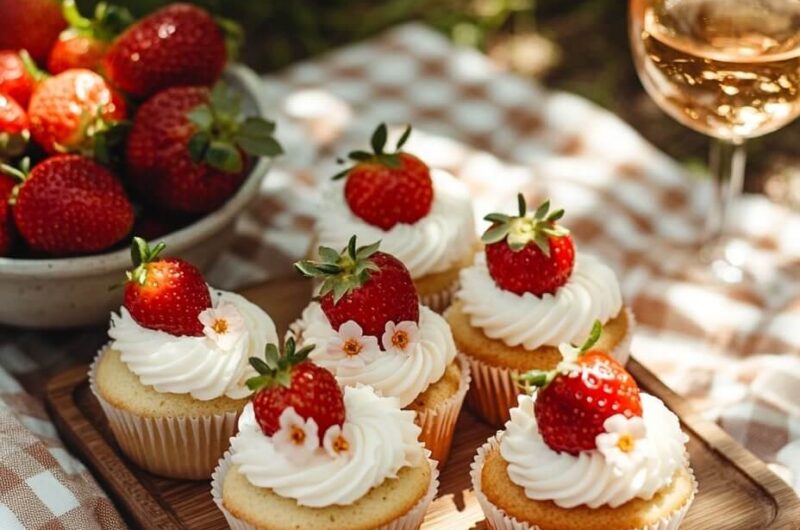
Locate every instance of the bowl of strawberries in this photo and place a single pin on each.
(117, 128)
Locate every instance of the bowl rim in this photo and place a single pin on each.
(120, 259)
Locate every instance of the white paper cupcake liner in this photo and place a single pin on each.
(497, 519)
(180, 447)
(439, 424)
(494, 389)
(410, 521)
(441, 300)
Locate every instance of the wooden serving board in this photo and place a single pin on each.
(737, 491)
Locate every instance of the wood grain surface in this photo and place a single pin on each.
(737, 491)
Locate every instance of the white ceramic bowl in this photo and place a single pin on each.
(74, 292)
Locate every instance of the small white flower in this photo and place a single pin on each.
(336, 443)
(623, 445)
(352, 347)
(223, 325)
(297, 438)
(400, 338)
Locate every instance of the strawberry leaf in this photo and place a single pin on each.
(497, 218)
(368, 250)
(392, 160)
(328, 254)
(198, 146)
(521, 205)
(542, 210)
(495, 234)
(360, 156)
(341, 174)
(201, 116)
(264, 146)
(403, 138)
(225, 157)
(378, 140)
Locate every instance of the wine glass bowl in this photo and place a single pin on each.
(729, 69)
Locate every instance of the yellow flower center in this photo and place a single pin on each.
(220, 326)
(400, 339)
(626, 443)
(352, 347)
(298, 435)
(341, 445)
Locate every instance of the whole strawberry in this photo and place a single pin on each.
(292, 381)
(69, 205)
(190, 148)
(166, 294)
(14, 128)
(68, 111)
(363, 285)
(383, 188)
(31, 25)
(578, 396)
(529, 253)
(84, 43)
(178, 45)
(16, 80)
(7, 185)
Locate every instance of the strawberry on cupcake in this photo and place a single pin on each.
(368, 327)
(173, 379)
(311, 455)
(586, 449)
(422, 216)
(528, 292)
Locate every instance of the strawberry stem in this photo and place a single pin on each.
(525, 228)
(594, 336)
(141, 256)
(378, 155)
(343, 271)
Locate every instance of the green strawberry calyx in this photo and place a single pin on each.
(142, 255)
(378, 154)
(276, 369)
(20, 173)
(342, 271)
(569, 355)
(222, 133)
(518, 231)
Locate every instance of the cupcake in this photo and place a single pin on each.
(423, 217)
(311, 455)
(527, 293)
(172, 379)
(586, 450)
(369, 328)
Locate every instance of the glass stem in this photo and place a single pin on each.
(726, 162)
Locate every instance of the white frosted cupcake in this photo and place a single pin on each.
(309, 455)
(527, 293)
(588, 450)
(378, 334)
(172, 380)
(421, 216)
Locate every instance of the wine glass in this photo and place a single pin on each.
(729, 69)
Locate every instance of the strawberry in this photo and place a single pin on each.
(7, 185)
(363, 285)
(14, 128)
(84, 43)
(178, 45)
(166, 294)
(384, 189)
(16, 80)
(576, 398)
(69, 111)
(292, 381)
(31, 25)
(529, 253)
(189, 148)
(68, 205)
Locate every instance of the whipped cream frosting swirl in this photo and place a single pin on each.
(433, 244)
(382, 440)
(397, 374)
(194, 365)
(587, 478)
(591, 293)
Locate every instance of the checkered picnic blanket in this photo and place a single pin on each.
(732, 353)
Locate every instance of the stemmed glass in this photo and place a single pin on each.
(729, 69)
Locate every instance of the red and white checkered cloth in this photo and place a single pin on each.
(734, 354)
